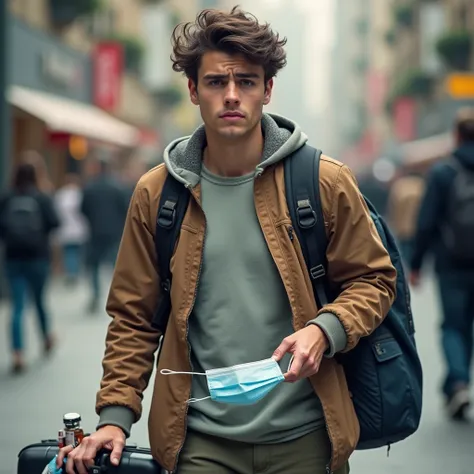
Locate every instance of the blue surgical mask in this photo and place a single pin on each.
(242, 384)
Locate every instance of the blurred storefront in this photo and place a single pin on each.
(53, 104)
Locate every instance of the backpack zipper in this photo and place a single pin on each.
(411, 323)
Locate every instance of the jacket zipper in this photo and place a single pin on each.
(290, 233)
(189, 345)
(328, 466)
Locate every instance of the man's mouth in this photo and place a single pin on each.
(232, 115)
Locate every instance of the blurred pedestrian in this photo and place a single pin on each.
(403, 205)
(27, 217)
(73, 231)
(33, 157)
(446, 228)
(104, 205)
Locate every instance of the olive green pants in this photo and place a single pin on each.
(203, 454)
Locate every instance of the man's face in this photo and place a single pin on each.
(231, 94)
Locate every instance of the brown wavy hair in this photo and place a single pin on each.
(236, 32)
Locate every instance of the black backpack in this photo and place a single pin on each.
(458, 229)
(23, 223)
(383, 371)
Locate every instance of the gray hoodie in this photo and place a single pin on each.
(183, 156)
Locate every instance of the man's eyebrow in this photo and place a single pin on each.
(247, 75)
(239, 75)
(216, 76)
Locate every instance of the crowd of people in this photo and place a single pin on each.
(69, 231)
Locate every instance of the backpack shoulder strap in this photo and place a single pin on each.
(304, 203)
(171, 210)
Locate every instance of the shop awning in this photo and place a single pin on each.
(427, 149)
(65, 115)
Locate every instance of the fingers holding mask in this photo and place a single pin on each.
(294, 368)
(301, 366)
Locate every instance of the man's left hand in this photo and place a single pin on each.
(307, 347)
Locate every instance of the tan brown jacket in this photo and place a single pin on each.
(357, 261)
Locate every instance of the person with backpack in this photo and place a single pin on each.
(446, 227)
(27, 218)
(249, 371)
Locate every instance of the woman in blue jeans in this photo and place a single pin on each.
(27, 217)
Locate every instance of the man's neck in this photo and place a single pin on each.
(232, 158)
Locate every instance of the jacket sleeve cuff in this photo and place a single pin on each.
(119, 416)
(334, 331)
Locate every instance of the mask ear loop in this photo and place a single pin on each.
(194, 400)
(291, 361)
(173, 372)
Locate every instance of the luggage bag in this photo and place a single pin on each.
(33, 459)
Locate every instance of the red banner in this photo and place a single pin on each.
(108, 66)
(405, 119)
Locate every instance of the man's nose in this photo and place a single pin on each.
(231, 94)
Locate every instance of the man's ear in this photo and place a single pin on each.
(268, 92)
(193, 93)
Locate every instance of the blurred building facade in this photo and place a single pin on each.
(75, 82)
(414, 71)
(347, 86)
(90, 78)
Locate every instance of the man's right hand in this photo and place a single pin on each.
(82, 457)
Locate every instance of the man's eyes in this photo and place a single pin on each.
(242, 82)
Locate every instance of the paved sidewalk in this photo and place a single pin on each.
(31, 406)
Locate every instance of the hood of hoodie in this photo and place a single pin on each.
(465, 154)
(183, 157)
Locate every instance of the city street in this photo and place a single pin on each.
(31, 406)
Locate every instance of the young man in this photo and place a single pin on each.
(455, 274)
(240, 292)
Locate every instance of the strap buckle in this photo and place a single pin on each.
(317, 272)
(306, 214)
(167, 214)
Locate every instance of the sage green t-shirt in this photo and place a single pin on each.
(241, 315)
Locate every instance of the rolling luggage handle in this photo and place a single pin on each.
(102, 463)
